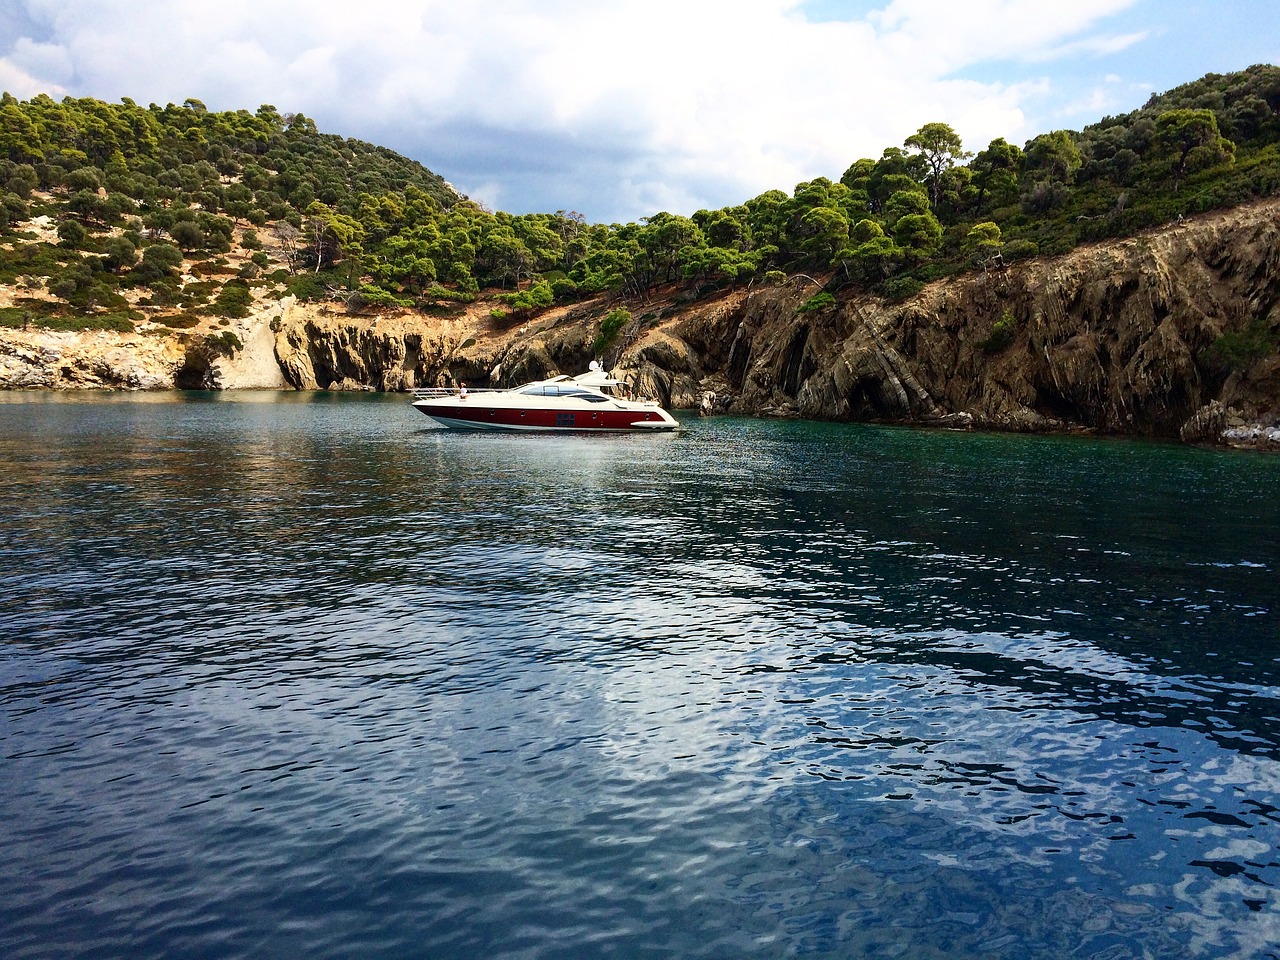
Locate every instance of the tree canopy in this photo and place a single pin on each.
(134, 187)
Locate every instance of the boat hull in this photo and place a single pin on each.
(468, 415)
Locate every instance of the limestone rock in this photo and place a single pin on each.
(43, 359)
(255, 366)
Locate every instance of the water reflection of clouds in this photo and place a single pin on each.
(1075, 760)
(1082, 802)
(1054, 779)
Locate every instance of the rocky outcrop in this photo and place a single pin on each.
(1121, 337)
(54, 360)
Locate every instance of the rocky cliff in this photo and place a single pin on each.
(1169, 334)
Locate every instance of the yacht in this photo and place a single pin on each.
(590, 402)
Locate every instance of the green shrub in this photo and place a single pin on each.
(1002, 333)
(233, 300)
(187, 235)
(196, 293)
(165, 292)
(213, 268)
(306, 286)
(819, 301)
(110, 321)
(31, 260)
(225, 343)
(536, 296)
(72, 234)
(83, 285)
(562, 288)
(610, 326)
(899, 289)
(16, 317)
(159, 261)
(438, 292)
(97, 321)
(1238, 349)
(371, 296)
(179, 321)
(120, 254)
(13, 208)
(1019, 250)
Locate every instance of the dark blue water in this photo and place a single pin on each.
(295, 675)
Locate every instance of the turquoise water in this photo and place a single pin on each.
(300, 675)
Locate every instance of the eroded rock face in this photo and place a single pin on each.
(1115, 338)
(316, 350)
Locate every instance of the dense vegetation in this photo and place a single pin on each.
(137, 192)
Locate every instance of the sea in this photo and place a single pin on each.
(301, 675)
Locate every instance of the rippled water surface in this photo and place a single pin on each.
(300, 675)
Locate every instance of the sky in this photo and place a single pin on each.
(620, 109)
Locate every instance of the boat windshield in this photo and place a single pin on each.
(562, 390)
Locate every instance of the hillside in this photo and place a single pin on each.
(173, 232)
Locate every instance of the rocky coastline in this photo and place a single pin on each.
(1119, 338)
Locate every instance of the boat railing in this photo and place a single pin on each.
(435, 393)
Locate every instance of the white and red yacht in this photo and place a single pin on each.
(593, 401)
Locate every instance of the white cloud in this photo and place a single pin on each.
(47, 63)
(1096, 46)
(617, 109)
(957, 34)
(16, 80)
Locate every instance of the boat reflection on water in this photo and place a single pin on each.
(592, 401)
